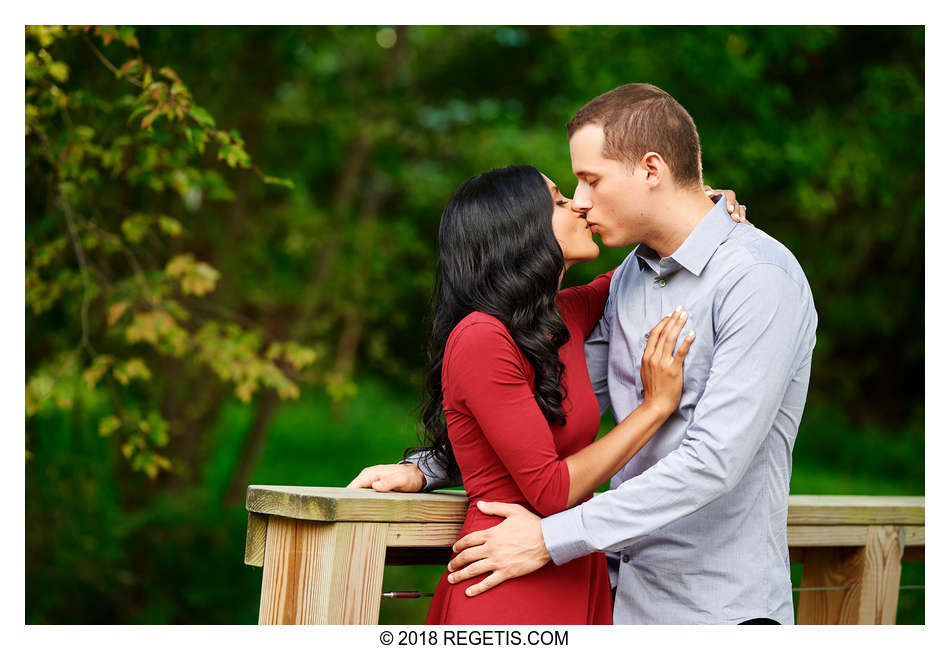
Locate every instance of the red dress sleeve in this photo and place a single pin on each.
(586, 303)
(489, 379)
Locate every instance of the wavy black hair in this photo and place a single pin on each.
(497, 255)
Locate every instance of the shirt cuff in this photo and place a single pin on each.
(426, 479)
(564, 536)
(432, 481)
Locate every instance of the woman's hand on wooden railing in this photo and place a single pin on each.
(404, 477)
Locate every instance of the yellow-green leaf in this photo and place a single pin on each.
(94, 372)
(132, 369)
(116, 310)
(108, 425)
(170, 225)
(135, 228)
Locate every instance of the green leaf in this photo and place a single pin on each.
(169, 74)
(97, 369)
(58, 70)
(169, 225)
(109, 425)
(202, 117)
(132, 369)
(273, 180)
(149, 119)
(196, 278)
(116, 310)
(135, 228)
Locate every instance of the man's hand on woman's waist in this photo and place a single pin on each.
(513, 548)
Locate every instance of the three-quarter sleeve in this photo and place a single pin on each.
(587, 301)
(486, 375)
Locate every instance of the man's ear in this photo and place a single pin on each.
(654, 166)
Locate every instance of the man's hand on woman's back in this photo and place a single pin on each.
(404, 477)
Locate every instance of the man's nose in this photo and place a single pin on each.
(581, 201)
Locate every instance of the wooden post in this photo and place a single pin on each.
(323, 550)
(851, 550)
(870, 576)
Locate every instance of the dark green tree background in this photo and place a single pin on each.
(230, 239)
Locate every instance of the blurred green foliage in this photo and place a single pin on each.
(176, 291)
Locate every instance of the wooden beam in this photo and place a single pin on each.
(423, 534)
(803, 536)
(356, 504)
(844, 510)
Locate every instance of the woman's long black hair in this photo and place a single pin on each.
(497, 255)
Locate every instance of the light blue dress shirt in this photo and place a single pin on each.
(694, 525)
(695, 522)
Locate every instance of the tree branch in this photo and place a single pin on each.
(108, 63)
(84, 272)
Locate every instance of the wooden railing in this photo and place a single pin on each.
(324, 549)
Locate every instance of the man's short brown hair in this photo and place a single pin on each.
(638, 118)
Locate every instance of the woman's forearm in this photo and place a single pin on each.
(603, 458)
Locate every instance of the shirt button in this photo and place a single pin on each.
(646, 337)
(624, 558)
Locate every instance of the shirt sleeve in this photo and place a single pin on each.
(435, 475)
(766, 334)
(490, 382)
(586, 302)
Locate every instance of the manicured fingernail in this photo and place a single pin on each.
(731, 207)
(683, 316)
(691, 334)
(678, 308)
(468, 592)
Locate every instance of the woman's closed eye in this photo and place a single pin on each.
(562, 202)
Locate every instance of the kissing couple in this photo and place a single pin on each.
(699, 343)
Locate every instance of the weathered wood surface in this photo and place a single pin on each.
(360, 504)
(843, 510)
(356, 504)
(320, 573)
(850, 535)
(256, 538)
(324, 549)
(864, 582)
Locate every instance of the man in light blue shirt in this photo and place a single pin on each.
(694, 524)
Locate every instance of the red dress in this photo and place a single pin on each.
(507, 451)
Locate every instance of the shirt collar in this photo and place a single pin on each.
(694, 253)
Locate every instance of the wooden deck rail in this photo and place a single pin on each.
(323, 550)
